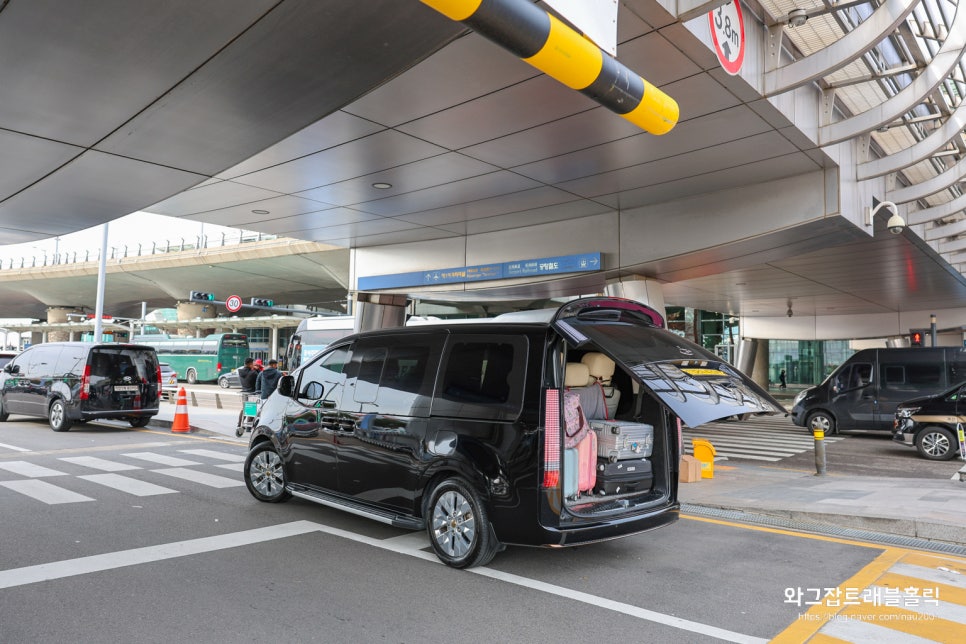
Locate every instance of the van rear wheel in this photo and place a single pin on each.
(458, 527)
(57, 416)
(822, 420)
(936, 444)
(139, 421)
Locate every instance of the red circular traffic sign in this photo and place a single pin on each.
(233, 303)
(728, 33)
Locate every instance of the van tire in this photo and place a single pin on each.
(459, 529)
(191, 376)
(57, 416)
(265, 474)
(936, 443)
(139, 421)
(821, 420)
(3, 413)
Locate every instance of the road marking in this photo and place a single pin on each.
(161, 459)
(96, 463)
(45, 492)
(14, 448)
(113, 560)
(24, 468)
(210, 453)
(202, 478)
(234, 467)
(127, 484)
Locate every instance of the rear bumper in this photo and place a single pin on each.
(584, 531)
(111, 413)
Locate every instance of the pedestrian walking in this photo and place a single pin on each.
(781, 380)
(268, 379)
(247, 375)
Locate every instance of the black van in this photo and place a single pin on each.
(68, 382)
(459, 428)
(864, 391)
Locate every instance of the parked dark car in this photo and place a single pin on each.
(459, 429)
(229, 380)
(68, 382)
(931, 424)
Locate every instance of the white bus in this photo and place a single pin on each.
(315, 334)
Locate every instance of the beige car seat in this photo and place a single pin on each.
(601, 369)
(577, 379)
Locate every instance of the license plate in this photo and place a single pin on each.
(126, 388)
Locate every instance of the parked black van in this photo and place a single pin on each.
(459, 429)
(68, 382)
(931, 424)
(864, 391)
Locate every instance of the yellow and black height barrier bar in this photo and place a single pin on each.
(551, 46)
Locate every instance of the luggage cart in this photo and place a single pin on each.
(251, 404)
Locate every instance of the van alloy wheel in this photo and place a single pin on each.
(265, 474)
(458, 527)
(57, 416)
(822, 420)
(936, 444)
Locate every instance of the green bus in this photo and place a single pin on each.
(199, 359)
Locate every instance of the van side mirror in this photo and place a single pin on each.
(286, 386)
(11, 368)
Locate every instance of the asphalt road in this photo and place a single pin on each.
(112, 534)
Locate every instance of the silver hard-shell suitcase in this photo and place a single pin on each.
(621, 439)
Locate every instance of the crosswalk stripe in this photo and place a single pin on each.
(210, 453)
(162, 459)
(766, 439)
(96, 463)
(14, 448)
(44, 491)
(128, 484)
(25, 468)
(203, 478)
(234, 467)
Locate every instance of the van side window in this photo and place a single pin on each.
(370, 362)
(915, 370)
(397, 377)
(329, 371)
(482, 377)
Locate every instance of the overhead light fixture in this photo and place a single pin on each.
(260, 212)
(381, 185)
(797, 17)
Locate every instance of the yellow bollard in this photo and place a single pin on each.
(704, 452)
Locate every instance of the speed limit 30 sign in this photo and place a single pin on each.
(728, 33)
(233, 303)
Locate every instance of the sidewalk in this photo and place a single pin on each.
(928, 509)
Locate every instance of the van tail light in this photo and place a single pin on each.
(551, 439)
(160, 384)
(680, 438)
(85, 387)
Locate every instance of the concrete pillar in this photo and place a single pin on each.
(192, 310)
(641, 289)
(57, 315)
(760, 371)
(380, 311)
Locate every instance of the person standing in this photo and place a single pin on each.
(781, 380)
(268, 379)
(247, 376)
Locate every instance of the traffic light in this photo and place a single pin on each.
(916, 337)
(257, 301)
(198, 296)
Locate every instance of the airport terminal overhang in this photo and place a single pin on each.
(387, 129)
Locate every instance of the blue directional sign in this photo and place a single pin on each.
(485, 272)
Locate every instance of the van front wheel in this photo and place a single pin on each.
(458, 527)
(822, 420)
(57, 416)
(936, 444)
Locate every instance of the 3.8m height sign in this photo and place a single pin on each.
(728, 33)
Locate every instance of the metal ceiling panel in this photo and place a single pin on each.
(515, 203)
(26, 158)
(244, 216)
(213, 196)
(291, 226)
(512, 109)
(425, 173)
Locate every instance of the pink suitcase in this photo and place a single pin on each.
(587, 462)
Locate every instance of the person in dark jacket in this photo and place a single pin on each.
(247, 376)
(268, 379)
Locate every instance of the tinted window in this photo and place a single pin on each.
(329, 371)
(41, 360)
(72, 361)
(395, 375)
(367, 363)
(853, 377)
(913, 369)
(120, 364)
(482, 377)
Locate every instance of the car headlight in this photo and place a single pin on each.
(906, 412)
(799, 397)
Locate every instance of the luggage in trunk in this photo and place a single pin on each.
(619, 439)
(622, 477)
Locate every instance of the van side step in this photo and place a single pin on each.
(346, 505)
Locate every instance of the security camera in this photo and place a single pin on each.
(896, 224)
(797, 17)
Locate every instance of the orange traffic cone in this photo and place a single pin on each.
(180, 423)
